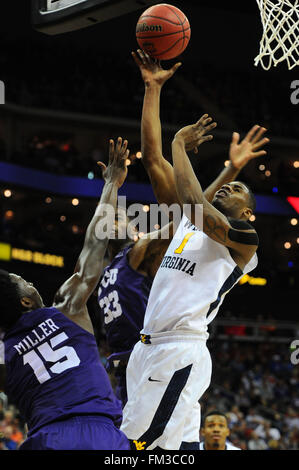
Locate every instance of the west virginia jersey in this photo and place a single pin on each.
(170, 368)
(191, 283)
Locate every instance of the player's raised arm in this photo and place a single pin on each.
(72, 296)
(240, 153)
(160, 171)
(228, 225)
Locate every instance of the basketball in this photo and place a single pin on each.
(163, 31)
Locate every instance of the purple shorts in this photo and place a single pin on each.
(78, 433)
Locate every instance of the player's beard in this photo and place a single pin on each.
(218, 205)
(216, 445)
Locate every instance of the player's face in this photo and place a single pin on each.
(215, 432)
(232, 200)
(27, 289)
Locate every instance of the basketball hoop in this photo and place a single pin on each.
(280, 40)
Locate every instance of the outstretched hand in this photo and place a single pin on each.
(151, 70)
(117, 170)
(241, 152)
(195, 134)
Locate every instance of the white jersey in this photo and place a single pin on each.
(190, 285)
(228, 446)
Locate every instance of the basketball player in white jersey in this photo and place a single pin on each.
(215, 432)
(133, 265)
(170, 368)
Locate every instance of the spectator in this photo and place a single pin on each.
(256, 443)
(7, 438)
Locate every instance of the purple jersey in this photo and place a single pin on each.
(123, 296)
(54, 371)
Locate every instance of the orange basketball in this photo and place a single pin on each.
(163, 31)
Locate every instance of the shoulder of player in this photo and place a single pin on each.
(68, 300)
(240, 224)
(242, 232)
(75, 312)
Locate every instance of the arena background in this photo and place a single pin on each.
(66, 95)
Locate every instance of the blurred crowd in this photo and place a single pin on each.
(108, 84)
(245, 98)
(59, 155)
(12, 432)
(257, 387)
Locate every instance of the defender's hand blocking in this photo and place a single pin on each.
(117, 170)
(241, 153)
(195, 134)
(151, 70)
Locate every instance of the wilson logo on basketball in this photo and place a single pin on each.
(167, 28)
(143, 27)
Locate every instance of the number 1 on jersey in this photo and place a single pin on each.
(187, 237)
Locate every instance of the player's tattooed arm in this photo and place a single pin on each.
(147, 253)
(240, 153)
(236, 235)
(159, 170)
(71, 298)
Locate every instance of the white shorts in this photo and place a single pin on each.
(165, 380)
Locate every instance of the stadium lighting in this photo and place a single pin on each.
(7, 193)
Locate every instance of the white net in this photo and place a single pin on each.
(280, 40)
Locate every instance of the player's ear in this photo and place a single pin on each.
(26, 302)
(247, 213)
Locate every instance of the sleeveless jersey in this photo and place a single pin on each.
(123, 296)
(192, 280)
(54, 371)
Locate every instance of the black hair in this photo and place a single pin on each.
(251, 197)
(11, 307)
(212, 413)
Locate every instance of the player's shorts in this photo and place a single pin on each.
(165, 380)
(78, 433)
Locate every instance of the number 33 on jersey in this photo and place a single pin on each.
(109, 303)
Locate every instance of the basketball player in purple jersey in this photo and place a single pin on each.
(53, 370)
(126, 283)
